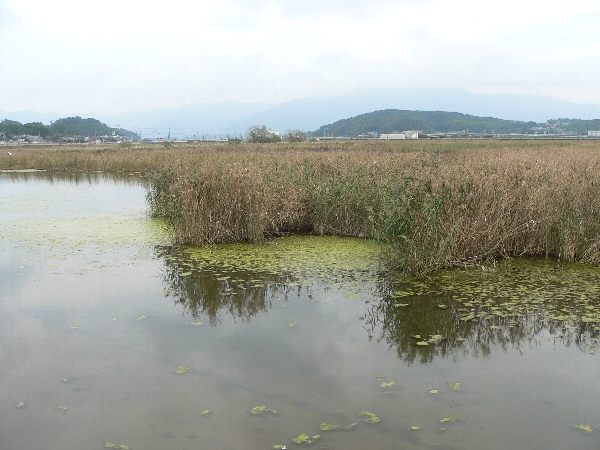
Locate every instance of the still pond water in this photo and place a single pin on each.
(109, 336)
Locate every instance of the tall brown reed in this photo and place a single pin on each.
(436, 204)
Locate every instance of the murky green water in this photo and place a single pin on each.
(158, 348)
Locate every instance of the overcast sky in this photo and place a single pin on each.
(121, 55)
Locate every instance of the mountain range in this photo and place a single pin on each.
(233, 118)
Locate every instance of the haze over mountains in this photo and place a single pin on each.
(234, 118)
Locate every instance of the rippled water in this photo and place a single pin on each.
(98, 314)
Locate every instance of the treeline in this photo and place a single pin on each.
(580, 126)
(61, 128)
(394, 120)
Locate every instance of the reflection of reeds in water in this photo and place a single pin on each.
(473, 311)
(436, 204)
(238, 278)
(445, 315)
(202, 291)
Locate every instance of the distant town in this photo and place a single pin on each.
(386, 125)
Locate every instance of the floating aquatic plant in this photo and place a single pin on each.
(389, 384)
(434, 391)
(369, 417)
(262, 409)
(61, 408)
(449, 419)
(306, 439)
(20, 405)
(330, 427)
(584, 427)
(197, 323)
(206, 412)
(455, 386)
(434, 338)
(182, 370)
(414, 427)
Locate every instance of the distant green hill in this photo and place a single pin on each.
(86, 127)
(395, 120)
(69, 126)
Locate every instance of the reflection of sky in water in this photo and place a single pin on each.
(121, 385)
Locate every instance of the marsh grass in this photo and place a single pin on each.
(436, 204)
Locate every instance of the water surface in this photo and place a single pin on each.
(98, 314)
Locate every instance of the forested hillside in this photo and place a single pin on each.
(69, 126)
(394, 120)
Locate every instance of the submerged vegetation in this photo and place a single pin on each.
(433, 204)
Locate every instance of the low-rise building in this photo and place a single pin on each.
(28, 139)
(392, 136)
(593, 133)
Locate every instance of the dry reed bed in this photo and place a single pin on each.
(434, 204)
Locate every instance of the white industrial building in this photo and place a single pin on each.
(593, 133)
(410, 134)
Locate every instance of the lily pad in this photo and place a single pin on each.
(389, 384)
(455, 386)
(434, 391)
(414, 427)
(20, 405)
(206, 412)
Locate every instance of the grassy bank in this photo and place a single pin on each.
(436, 204)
